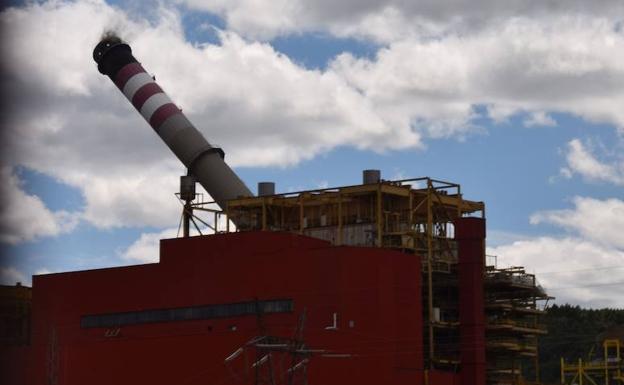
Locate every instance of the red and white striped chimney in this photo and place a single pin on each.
(205, 162)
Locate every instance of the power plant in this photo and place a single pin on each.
(384, 282)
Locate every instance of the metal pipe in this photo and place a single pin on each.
(266, 188)
(371, 176)
(205, 162)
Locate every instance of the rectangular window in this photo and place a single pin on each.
(186, 313)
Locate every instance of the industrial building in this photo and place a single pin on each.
(385, 282)
(604, 364)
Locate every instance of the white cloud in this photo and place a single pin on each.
(520, 66)
(575, 271)
(600, 221)
(68, 121)
(25, 217)
(500, 237)
(539, 118)
(146, 249)
(322, 184)
(10, 276)
(585, 267)
(565, 172)
(439, 61)
(143, 197)
(42, 271)
(388, 20)
(582, 161)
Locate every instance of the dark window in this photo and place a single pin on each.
(186, 313)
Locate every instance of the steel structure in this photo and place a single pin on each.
(15, 304)
(515, 303)
(478, 324)
(605, 370)
(414, 216)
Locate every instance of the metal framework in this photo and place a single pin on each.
(276, 360)
(413, 216)
(607, 370)
(513, 312)
(15, 310)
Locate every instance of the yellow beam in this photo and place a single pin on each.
(378, 217)
(339, 237)
(395, 190)
(264, 215)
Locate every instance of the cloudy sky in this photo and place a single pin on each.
(521, 102)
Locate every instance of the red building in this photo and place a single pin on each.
(176, 322)
(238, 308)
(379, 283)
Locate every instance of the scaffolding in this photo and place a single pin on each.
(411, 215)
(15, 309)
(514, 304)
(606, 370)
(414, 216)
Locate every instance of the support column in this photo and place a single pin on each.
(470, 236)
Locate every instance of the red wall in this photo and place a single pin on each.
(377, 289)
(470, 235)
(437, 377)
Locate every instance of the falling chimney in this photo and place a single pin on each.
(205, 162)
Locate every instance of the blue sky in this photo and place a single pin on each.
(540, 144)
